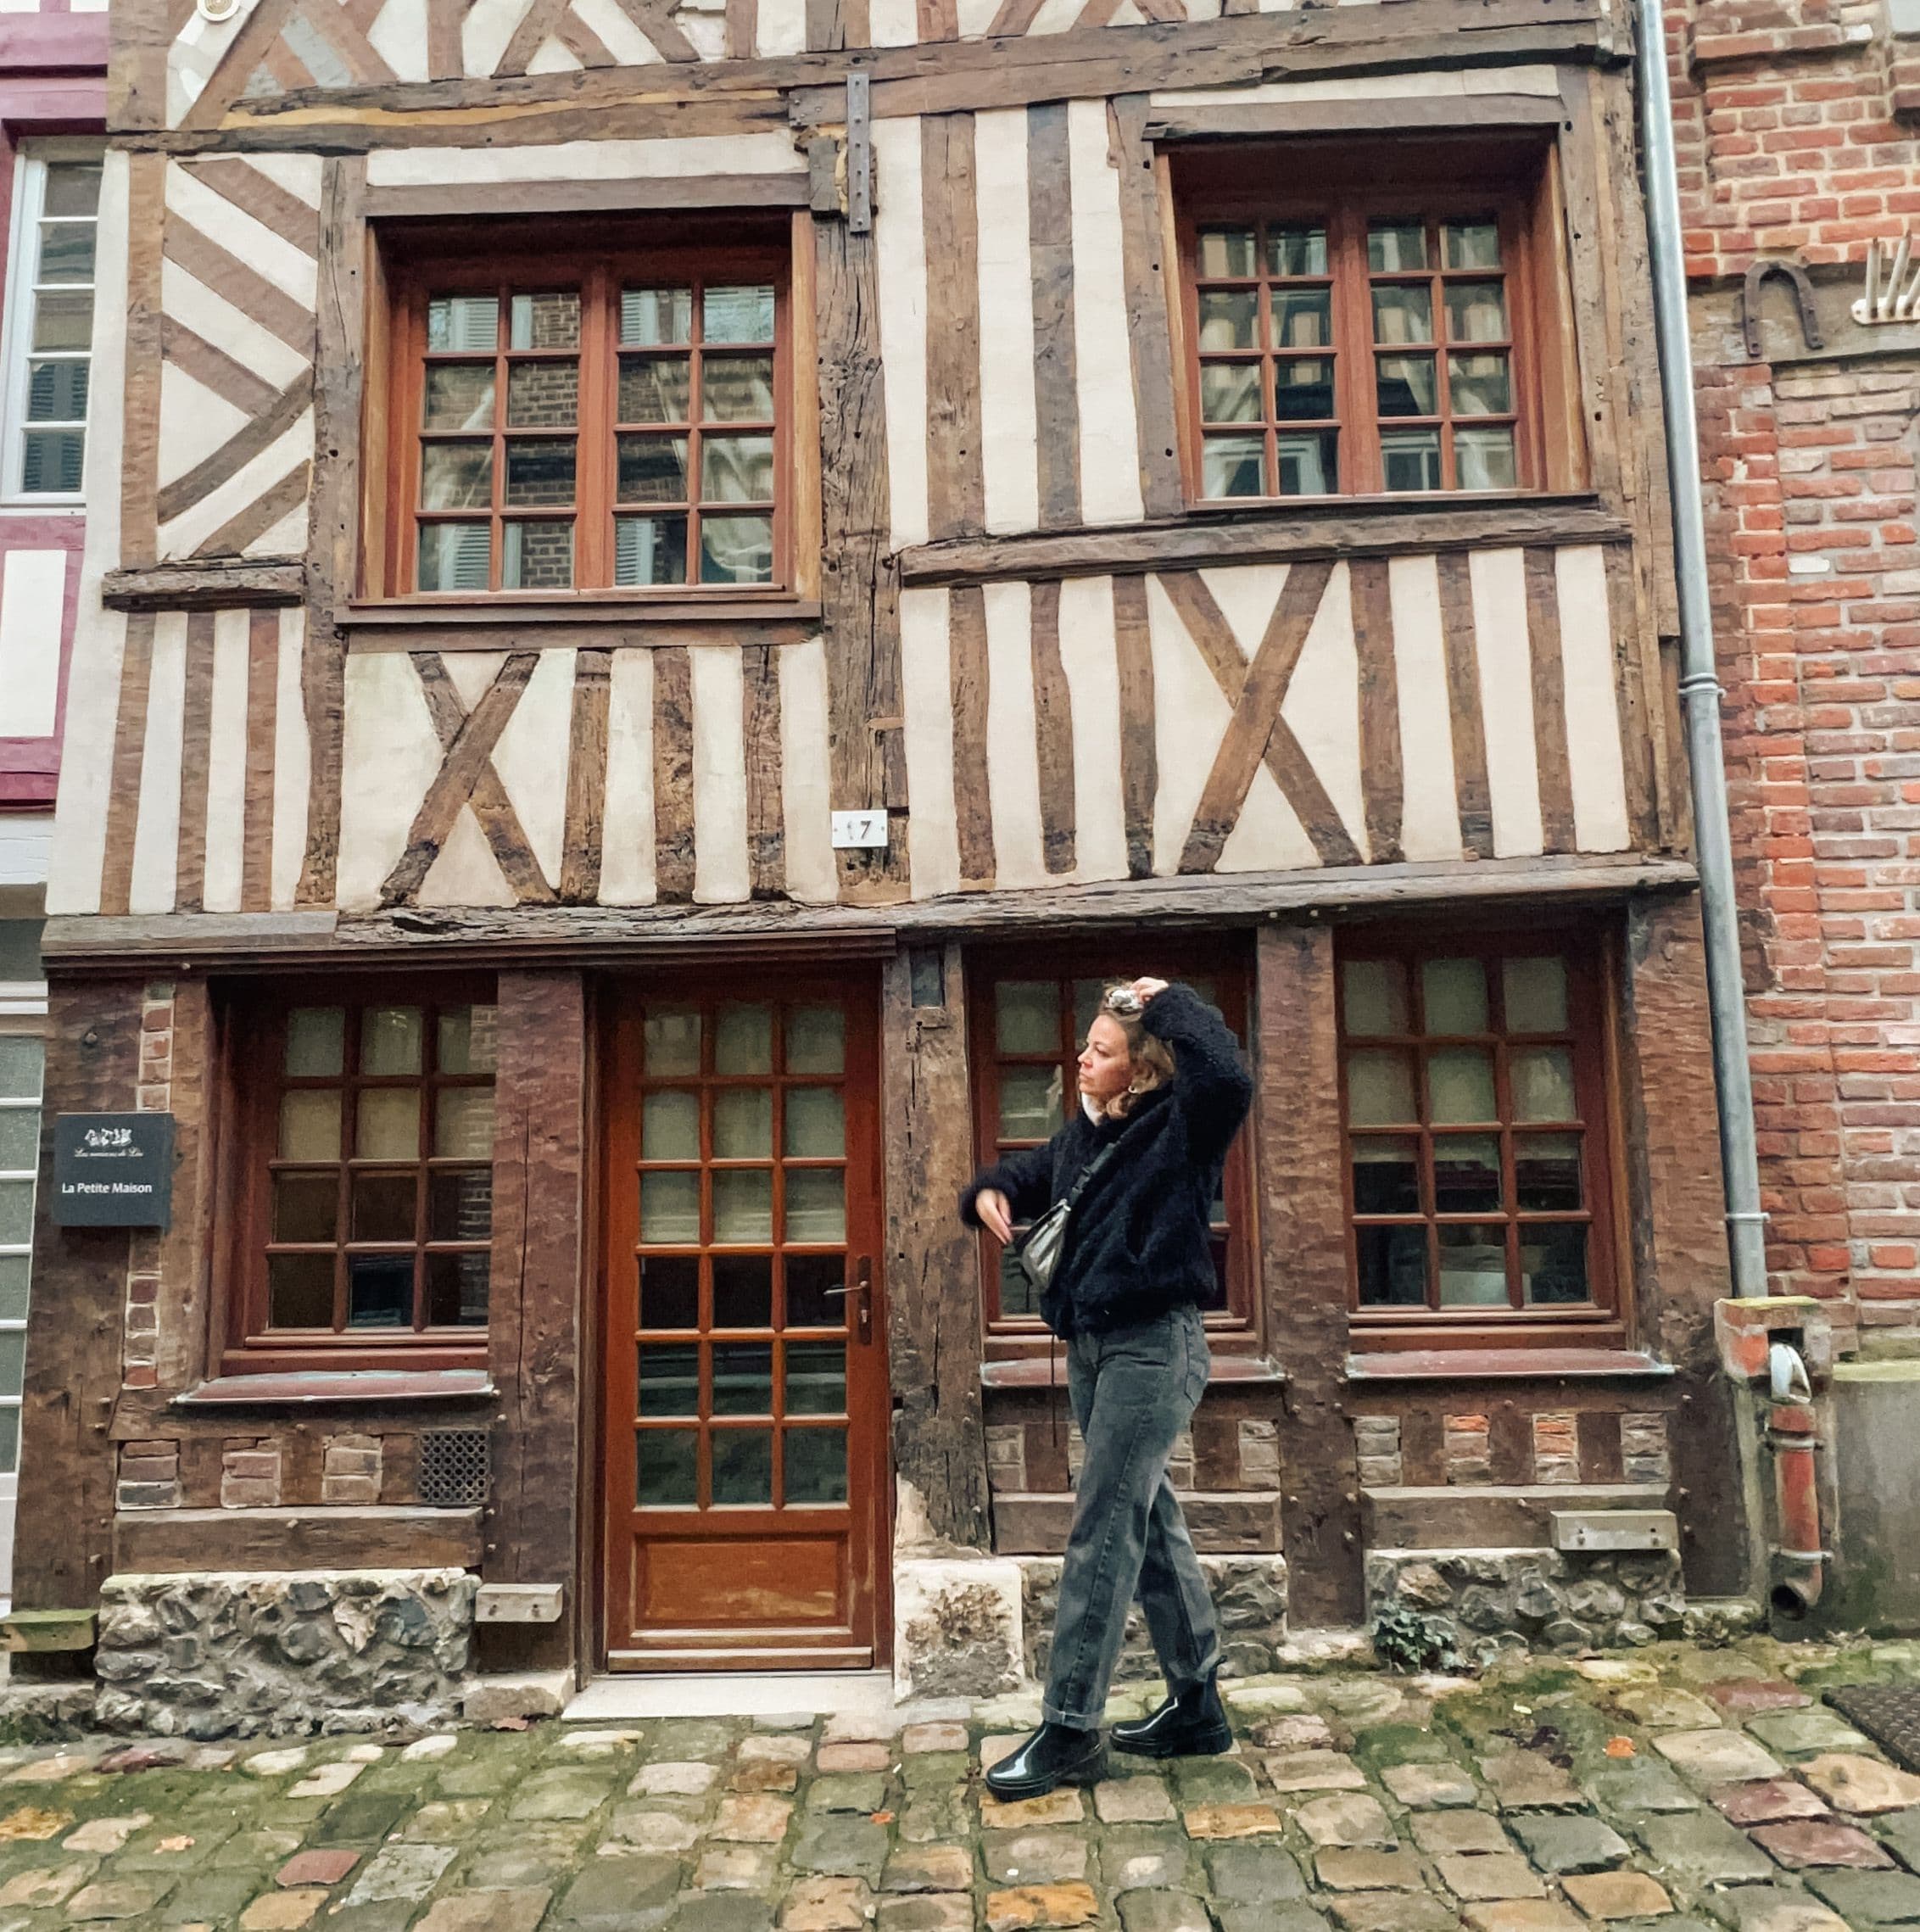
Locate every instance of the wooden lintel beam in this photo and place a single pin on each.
(456, 199)
(215, 586)
(1474, 112)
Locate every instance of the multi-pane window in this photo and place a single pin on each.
(1367, 342)
(621, 429)
(377, 1220)
(1028, 1035)
(20, 1064)
(50, 330)
(1474, 1092)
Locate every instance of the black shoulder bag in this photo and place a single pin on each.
(1036, 1254)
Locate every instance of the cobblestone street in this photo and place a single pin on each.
(1683, 1788)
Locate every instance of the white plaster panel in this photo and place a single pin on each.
(194, 423)
(292, 270)
(299, 174)
(779, 28)
(245, 486)
(925, 675)
(623, 39)
(1433, 84)
(1430, 817)
(484, 36)
(672, 156)
(1088, 658)
(33, 589)
(1109, 447)
(1009, 431)
(292, 760)
(226, 764)
(893, 23)
(189, 300)
(1596, 765)
(552, 57)
(389, 754)
(1506, 700)
(900, 240)
(1323, 704)
(806, 772)
(1189, 718)
(723, 873)
(626, 869)
(532, 757)
(156, 837)
(398, 36)
(1013, 760)
(466, 873)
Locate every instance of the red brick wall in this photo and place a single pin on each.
(1794, 142)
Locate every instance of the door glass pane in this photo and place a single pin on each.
(545, 321)
(388, 1124)
(460, 1206)
(1302, 388)
(743, 1291)
(16, 1212)
(1536, 995)
(816, 1465)
(1553, 1263)
(1392, 1266)
(816, 1204)
(1089, 997)
(9, 1441)
(1380, 1089)
(1473, 1266)
(667, 1464)
(653, 469)
(16, 1270)
(738, 389)
(1546, 1169)
(810, 1278)
(391, 1040)
(1017, 1293)
(457, 475)
(19, 1068)
(379, 1291)
(299, 1291)
(1454, 991)
(743, 1040)
(815, 1039)
(743, 1123)
(672, 1043)
(1542, 1084)
(13, 1361)
(743, 1378)
(670, 1208)
(1466, 1174)
(670, 1126)
(669, 1379)
(310, 1126)
(816, 1378)
(743, 1465)
(467, 1039)
(1307, 463)
(1472, 244)
(736, 469)
(463, 321)
(456, 557)
(1029, 1102)
(383, 1207)
(315, 1038)
(1386, 1176)
(669, 1291)
(543, 395)
(650, 550)
(1374, 997)
(743, 1205)
(736, 549)
(537, 557)
(655, 389)
(815, 1127)
(1459, 1085)
(19, 1139)
(457, 1289)
(1479, 384)
(463, 1122)
(1026, 1016)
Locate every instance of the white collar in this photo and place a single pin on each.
(1091, 1112)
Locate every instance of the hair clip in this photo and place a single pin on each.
(1124, 1000)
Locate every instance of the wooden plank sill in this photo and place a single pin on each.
(1030, 1371)
(1507, 1365)
(333, 1387)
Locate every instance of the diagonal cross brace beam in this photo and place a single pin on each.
(466, 777)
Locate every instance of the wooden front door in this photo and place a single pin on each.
(746, 1388)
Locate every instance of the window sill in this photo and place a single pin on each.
(643, 617)
(1521, 1363)
(1032, 1371)
(301, 1388)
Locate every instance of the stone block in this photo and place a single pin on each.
(1490, 1876)
(1558, 1845)
(958, 1626)
(521, 1693)
(1618, 1895)
(1862, 1785)
(1811, 1842)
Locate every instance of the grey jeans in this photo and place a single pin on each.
(1133, 1390)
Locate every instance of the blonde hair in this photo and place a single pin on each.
(1150, 1061)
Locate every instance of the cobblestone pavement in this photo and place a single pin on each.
(1676, 1788)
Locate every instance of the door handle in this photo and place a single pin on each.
(862, 1286)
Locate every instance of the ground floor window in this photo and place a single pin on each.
(369, 1138)
(1030, 1014)
(1475, 1098)
(21, 1056)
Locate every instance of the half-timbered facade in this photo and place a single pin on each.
(676, 584)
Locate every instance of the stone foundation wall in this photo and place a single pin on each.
(1249, 1596)
(1503, 1599)
(238, 1655)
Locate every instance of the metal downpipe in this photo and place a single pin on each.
(1700, 682)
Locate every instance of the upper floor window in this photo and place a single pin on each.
(1384, 336)
(369, 1218)
(613, 425)
(1475, 1086)
(50, 320)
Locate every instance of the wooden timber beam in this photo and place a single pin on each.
(219, 585)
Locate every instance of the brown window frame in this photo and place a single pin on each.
(596, 259)
(253, 1083)
(1515, 182)
(1233, 1330)
(1591, 957)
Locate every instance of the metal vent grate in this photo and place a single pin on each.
(452, 1467)
(1889, 1713)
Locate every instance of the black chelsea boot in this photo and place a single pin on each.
(1054, 1754)
(1191, 1724)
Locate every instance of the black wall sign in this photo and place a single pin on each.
(113, 1169)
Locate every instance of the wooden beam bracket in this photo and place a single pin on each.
(859, 154)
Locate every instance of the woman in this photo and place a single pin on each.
(1161, 1085)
